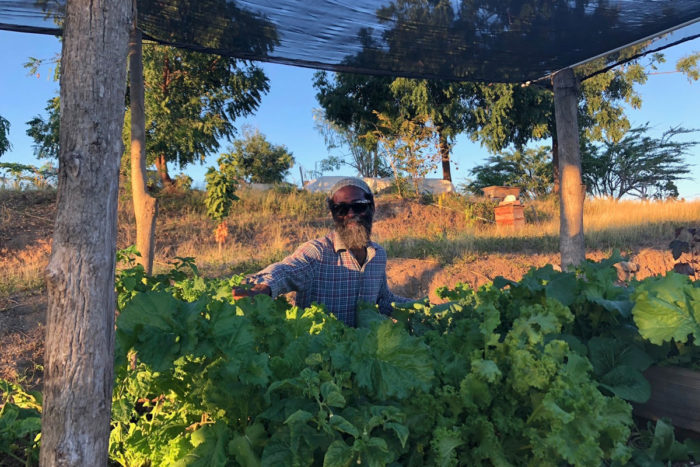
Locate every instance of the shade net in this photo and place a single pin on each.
(469, 40)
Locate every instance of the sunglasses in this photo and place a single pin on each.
(358, 207)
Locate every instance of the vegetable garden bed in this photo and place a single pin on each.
(537, 372)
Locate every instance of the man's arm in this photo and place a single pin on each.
(386, 297)
(295, 272)
(257, 289)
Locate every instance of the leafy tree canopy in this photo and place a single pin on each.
(528, 169)
(638, 165)
(192, 100)
(409, 146)
(355, 152)
(4, 139)
(45, 133)
(256, 160)
(352, 101)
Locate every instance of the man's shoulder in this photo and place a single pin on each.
(317, 246)
(379, 251)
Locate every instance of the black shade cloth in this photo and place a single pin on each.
(473, 40)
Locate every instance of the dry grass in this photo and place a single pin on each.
(266, 226)
(442, 234)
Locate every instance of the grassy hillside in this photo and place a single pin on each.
(266, 226)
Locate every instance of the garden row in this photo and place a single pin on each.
(536, 372)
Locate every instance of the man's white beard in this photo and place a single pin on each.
(353, 234)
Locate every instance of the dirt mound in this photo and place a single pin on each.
(415, 278)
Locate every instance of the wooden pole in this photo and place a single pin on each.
(80, 275)
(571, 194)
(145, 205)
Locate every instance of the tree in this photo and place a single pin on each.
(445, 105)
(350, 100)
(191, 102)
(364, 159)
(80, 275)
(637, 165)
(4, 139)
(45, 133)
(145, 205)
(256, 160)
(406, 146)
(530, 169)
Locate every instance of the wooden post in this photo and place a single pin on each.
(80, 275)
(145, 205)
(571, 194)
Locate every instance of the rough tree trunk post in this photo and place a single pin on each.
(555, 166)
(145, 205)
(445, 156)
(162, 166)
(80, 274)
(571, 192)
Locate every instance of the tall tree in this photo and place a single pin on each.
(445, 105)
(256, 160)
(361, 156)
(45, 133)
(4, 135)
(511, 115)
(192, 100)
(408, 146)
(529, 169)
(637, 165)
(80, 275)
(191, 103)
(145, 205)
(350, 102)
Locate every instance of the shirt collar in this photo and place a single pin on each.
(339, 246)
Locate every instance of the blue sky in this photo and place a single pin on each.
(286, 113)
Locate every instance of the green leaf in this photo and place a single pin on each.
(390, 363)
(331, 395)
(445, 443)
(243, 446)
(343, 425)
(210, 444)
(400, 430)
(299, 417)
(627, 383)
(667, 308)
(607, 353)
(159, 327)
(487, 370)
(563, 288)
(338, 454)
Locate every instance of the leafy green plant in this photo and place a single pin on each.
(534, 372)
(221, 193)
(668, 308)
(20, 423)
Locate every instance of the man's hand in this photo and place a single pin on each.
(257, 289)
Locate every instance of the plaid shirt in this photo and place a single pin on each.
(325, 272)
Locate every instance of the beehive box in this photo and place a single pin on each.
(675, 395)
(510, 214)
(500, 192)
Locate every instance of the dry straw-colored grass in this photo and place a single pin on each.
(266, 226)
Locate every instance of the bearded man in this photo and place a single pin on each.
(338, 270)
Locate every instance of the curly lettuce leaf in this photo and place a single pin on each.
(667, 308)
